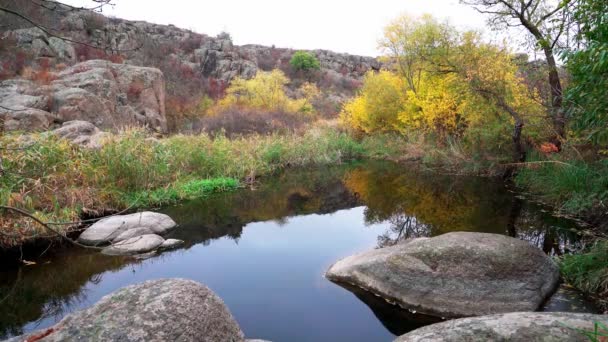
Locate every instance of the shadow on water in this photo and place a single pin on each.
(399, 203)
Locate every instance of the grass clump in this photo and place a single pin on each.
(192, 189)
(588, 271)
(573, 187)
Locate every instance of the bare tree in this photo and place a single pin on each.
(548, 23)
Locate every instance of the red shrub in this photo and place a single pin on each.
(548, 148)
(14, 59)
(135, 90)
(118, 59)
(190, 44)
(216, 89)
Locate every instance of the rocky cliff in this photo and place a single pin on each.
(193, 64)
(105, 94)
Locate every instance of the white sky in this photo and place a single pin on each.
(338, 25)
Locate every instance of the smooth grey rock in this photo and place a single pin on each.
(454, 275)
(108, 229)
(72, 130)
(131, 233)
(135, 245)
(171, 244)
(157, 310)
(514, 327)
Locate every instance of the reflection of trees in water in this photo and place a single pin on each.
(49, 290)
(402, 227)
(418, 204)
(530, 223)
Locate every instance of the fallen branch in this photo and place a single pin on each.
(539, 162)
(46, 226)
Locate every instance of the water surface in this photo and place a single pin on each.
(265, 250)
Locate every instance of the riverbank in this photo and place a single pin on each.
(60, 182)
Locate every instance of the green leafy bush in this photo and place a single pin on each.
(304, 61)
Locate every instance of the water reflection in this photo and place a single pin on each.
(399, 203)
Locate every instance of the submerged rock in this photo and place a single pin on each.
(515, 327)
(135, 245)
(107, 229)
(157, 310)
(131, 233)
(171, 244)
(454, 275)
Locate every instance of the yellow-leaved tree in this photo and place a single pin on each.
(445, 82)
(382, 98)
(266, 91)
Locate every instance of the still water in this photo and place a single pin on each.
(264, 250)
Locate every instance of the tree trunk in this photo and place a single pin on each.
(557, 111)
(514, 214)
(519, 151)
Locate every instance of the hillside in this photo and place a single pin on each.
(193, 64)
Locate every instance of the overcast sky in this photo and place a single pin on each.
(338, 25)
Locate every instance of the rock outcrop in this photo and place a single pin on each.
(514, 327)
(157, 310)
(454, 275)
(107, 95)
(82, 133)
(124, 227)
(144, 43)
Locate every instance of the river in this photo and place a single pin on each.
(264, 249)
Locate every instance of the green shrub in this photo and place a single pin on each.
(304, 61)
(588, 271)
(573, 187)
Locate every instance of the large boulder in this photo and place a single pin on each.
(454, 275)
(157, 310)
(107, 229)
(514, 327)
(108, 95)
(135, 245)
(81, 133)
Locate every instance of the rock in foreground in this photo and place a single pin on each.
(108, 229)
(514, 327)
(454, 275)
(158, 310)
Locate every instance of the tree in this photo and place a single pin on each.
(408, 42)
(588, 67)
(379, 104)
(266, 91)
(492, 75)
(460, 83)
(304, 61)
(548, 23)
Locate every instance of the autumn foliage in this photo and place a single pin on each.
(445, 84)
